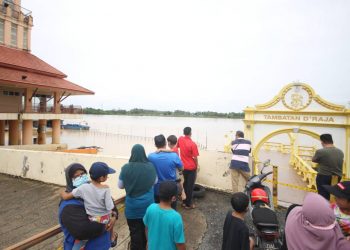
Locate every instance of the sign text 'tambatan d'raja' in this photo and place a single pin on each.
(300, 118)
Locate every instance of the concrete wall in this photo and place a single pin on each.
(10, 104)
(49, 167)
(36, 147)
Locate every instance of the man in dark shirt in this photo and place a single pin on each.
(236, 232)
(329, 161)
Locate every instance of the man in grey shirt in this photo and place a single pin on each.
(329, 161)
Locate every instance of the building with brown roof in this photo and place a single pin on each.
(30, 89)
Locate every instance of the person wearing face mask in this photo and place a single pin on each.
(74, 220)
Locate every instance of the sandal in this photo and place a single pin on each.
(190, 207)
(114, 242)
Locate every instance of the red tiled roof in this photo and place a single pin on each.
(16, 63)
(26, 61)
(14, 76)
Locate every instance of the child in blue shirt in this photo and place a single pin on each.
(164, 227)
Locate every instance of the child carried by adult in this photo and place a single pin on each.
(97, 197)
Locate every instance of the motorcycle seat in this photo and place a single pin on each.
(264, 217)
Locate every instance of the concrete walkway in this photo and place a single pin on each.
(30, 207)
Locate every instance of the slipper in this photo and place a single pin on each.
(190, 207)
(114, 242)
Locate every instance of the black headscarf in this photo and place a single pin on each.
(70, 170)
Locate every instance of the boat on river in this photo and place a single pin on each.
(76, 126)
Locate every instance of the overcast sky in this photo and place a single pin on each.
(194, 55)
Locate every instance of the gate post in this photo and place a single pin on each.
(275, 186)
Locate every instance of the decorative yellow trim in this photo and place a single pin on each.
(329, 105)
(269, 104)
(309, 91)
(281, 131)
(290, 112)
(312, 96)
(334, 125)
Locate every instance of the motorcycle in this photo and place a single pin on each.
(261, 209)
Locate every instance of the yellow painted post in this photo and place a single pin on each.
(275, 186)
(334, 181)
(255, 166)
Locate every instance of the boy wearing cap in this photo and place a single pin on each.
(164, 227)
(97, 197)
(341, 207)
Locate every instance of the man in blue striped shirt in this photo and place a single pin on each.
(240, 171)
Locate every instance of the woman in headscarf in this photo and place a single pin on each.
(137, 177)
(74, 221)
(313, 226)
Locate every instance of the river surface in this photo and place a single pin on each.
(116, 134)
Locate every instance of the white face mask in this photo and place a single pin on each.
(80, 180)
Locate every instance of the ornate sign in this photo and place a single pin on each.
(296, 97)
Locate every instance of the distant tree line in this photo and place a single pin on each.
(176, 113)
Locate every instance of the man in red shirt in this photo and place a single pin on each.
(188, 154)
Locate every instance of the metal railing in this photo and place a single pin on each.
(71, 109)
(15, 11)
(49, 109)
(305, 170)
(285, 149)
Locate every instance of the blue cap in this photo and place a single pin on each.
(99, 169)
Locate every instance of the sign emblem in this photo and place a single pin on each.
(296, 97)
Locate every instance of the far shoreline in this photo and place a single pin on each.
(156, 113)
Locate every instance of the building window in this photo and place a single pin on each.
(25, 38)
(10, 93)
(2, 30)
(14, 34)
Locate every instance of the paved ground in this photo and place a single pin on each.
(29, 207)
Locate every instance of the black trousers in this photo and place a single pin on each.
(189, 180)
(324, 180)
(137, 234)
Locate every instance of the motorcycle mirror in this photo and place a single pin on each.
(265, 164)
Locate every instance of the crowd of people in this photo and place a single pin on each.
(153, 186)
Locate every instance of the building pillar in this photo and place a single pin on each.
(27, 132)
(2, 133)
(56, 131)
(42, 132)
(27, 100)
(57, 103)
(42, 105)
(13, 132)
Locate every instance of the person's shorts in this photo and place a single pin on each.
(104, 219)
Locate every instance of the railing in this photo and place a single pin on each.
(305, 170)
(70, 109)
(16, 10)
(285, 149)
(38, 238)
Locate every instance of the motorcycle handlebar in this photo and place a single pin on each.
(263, 176)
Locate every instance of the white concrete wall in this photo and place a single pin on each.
(213, 165)
(49, 167)
(37, 147)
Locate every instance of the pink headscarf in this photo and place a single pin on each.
(313, 226)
